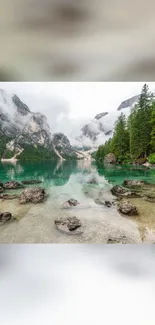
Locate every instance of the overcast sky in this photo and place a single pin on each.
(81, 99)
(68, 105)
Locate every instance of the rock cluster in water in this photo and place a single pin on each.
(70, 203)
(12, 185)
(128, 208)
(6, 196)
(120, 191)
(133, 189)
(69, 225)
(31, 181)
(34, 195)
(130, 183)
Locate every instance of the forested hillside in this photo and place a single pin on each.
(134, 137)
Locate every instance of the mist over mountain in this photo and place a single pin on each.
(100, 128)
(25, 132)
(21, 127)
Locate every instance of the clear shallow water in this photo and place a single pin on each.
(63, 181)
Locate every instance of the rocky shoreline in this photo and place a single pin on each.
(123, 207)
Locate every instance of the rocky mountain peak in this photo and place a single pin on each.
(20, 106)
(21, 129)
(128, 102)
(61, 143)
(100, 115)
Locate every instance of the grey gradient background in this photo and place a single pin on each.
(77, 284)
(84, 40)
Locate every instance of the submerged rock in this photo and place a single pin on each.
(130, 182)
(147, 165)
(110, 158)
(118, 190)
(6, 217)
(108, 204)
(149, 196)
(70, 203)
(128, 208)
(31, 181)
(131, 194)
(100, 201)
(13, 185)
(34, 195)
(1, 189)
(93, 180)
(5, 196)
(73, 202)
(69, 225)
(118, 240)
(123, 192)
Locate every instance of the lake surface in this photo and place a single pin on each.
(59, 174)
(63, 181)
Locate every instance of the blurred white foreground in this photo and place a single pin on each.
(93, 284)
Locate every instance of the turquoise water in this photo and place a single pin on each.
(63, 180)
(117, 174)
(58, 174)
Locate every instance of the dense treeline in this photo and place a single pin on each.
(3, 141)
(37, 153)
(134, 137)
(31, 152)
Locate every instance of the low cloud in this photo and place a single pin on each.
(64, 111)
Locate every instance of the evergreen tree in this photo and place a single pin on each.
(139, 124)
(120, 141)
(134, 132)
(134, 138)
(152, 122)
(103, 150)
(143, 119)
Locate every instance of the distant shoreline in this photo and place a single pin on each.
(10, 159)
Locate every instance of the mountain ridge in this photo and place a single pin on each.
(22, 130)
